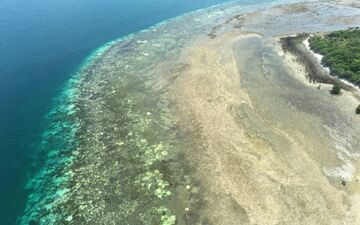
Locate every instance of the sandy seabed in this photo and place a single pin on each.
(261, 155)
(271, 150)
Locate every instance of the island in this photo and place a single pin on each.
(341, 51)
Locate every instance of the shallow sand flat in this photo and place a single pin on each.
(260, 159)
(272, 148)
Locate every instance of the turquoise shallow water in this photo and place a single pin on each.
(41, 44)
(57, 142)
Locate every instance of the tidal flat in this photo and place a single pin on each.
(204, 119)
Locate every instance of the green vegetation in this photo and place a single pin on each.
(336, 90)
(357, 109)
(341, 51)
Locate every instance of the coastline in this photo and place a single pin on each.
(168, 111)
(327, 69)
(296, 48)
(300, 71)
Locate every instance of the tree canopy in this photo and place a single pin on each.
(341, 51)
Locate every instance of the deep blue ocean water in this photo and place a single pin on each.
(41, 44)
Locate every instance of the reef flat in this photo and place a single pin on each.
(204, 120)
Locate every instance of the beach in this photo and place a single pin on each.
(207, 119)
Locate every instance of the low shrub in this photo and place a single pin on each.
(336, 90)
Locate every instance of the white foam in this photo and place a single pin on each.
(345, 172)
